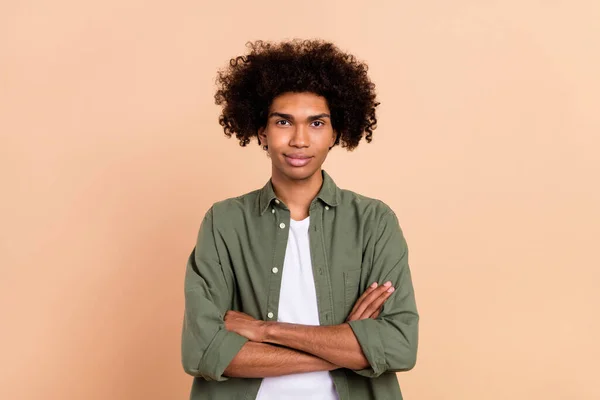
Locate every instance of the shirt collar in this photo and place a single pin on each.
(329, 193)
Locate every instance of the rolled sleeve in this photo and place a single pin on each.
(219, 354)
(390, 341)
(207, 347)
(367, 334)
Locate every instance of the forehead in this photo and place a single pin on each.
(299, 103)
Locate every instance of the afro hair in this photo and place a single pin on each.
(247, 87)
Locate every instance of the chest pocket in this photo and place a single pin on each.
(351, 289)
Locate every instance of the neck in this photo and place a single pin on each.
(297, 194)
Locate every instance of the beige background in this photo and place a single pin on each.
(111, 152)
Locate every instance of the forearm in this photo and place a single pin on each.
(260, 360)
(336, 344)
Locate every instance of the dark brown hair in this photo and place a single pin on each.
(247, 87)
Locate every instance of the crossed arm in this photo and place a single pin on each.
(217, 347)
(276, 348)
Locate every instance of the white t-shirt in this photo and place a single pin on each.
(298, 305)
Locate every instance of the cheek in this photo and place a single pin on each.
(328, 140)
(277, 141)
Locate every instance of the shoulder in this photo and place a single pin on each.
(232, 208)
(364, 207)
(376, 220)
(373, 217)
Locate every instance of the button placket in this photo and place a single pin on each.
(280, 213)
(318, 258)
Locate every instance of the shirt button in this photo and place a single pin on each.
(270, 315)
(275, 270)
(327, 207)
(272, 211)
(282, 225)
(276, 201)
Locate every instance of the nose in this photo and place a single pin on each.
(300, 137)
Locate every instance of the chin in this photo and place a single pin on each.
(298, 173)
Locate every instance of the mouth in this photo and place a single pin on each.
(297, 160)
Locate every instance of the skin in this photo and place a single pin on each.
(300, 124)
(307, 348)
(297, 123)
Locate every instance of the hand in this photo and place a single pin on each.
(370, 303)
(245, 325)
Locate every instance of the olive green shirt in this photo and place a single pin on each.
(237, 264)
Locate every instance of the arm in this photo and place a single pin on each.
(211, 351)
(260, 360)
(337, 343)
(334, 343)
(369, 346)
(390, 341)
(207, 347)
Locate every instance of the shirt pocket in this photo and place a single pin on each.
(351, 289)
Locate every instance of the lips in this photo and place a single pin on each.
(297, 160)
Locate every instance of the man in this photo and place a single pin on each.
(299, 290)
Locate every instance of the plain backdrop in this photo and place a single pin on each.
(487, 149)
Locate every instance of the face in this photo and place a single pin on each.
(299, 134)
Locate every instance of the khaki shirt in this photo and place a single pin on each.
(237, 264)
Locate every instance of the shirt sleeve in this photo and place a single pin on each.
(207, 347)
(390, 341)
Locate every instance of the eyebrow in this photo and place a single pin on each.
(291, 117)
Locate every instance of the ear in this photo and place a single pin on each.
(334, 137)
(262, 136)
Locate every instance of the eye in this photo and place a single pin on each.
(281, 120)
(321, 123)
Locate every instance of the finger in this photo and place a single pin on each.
(370, 298)
(358, 302)
(377, 303)
(362, 296)
(376, 313)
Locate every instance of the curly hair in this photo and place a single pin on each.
(248, 85)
